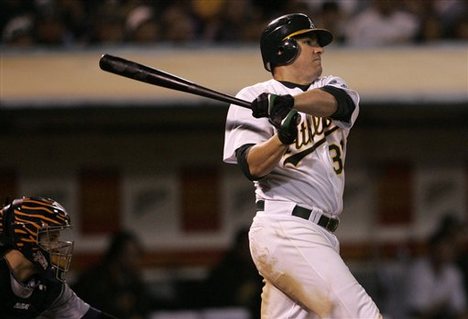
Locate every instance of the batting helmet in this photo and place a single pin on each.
(33, 226)
(277, 43)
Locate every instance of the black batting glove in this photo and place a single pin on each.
(287, 131)
(275, 107)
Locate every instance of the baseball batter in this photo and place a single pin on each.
(292, 145)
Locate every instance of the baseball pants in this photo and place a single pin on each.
(304, 275)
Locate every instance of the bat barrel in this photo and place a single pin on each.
(149, 75)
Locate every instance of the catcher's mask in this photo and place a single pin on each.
(36, 227)
(277, 43)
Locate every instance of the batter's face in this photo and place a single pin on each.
(309, 61)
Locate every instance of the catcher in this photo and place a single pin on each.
(34, 258)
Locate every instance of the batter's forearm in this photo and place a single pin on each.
(262, 158)
(316, 103)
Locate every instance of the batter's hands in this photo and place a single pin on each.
(275, 107)
(287, 131)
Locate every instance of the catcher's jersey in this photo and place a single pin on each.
(311, 172)
(39, 298)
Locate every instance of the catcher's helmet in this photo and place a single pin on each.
(33, 225)
(277, 43)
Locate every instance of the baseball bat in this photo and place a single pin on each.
(143, 73)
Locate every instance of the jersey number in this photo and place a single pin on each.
(335, 154)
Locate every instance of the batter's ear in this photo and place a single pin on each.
(286, 52)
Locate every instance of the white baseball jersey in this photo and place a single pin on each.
(311, 172)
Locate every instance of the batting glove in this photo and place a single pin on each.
(275, 107)
(287, 131)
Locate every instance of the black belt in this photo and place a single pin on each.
(328, 223)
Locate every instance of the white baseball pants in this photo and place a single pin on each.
(305, 277)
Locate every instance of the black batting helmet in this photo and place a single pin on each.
(277, 43)
(34, 225)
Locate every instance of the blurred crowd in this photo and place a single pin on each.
(436, 282)
(116, 282)
(87, 23)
